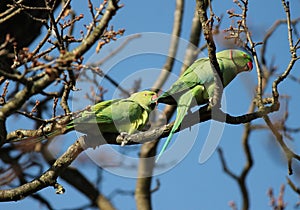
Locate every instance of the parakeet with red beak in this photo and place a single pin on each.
(197, 83)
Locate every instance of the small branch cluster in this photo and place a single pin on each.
(37, 84)
(235, 33)
(108, 36)
(277, 203)
(242, 36)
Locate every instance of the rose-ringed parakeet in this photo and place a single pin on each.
(197, 83)
(111, 117)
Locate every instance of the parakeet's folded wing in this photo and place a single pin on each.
(126, 115)
(103, 104)
(86, 122)
(119, 116)
(198, 73)
(89, 115)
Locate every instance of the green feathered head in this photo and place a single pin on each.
(145, 99)
(242, 60)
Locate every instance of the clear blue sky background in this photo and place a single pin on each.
(191, 185)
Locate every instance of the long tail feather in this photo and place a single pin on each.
(182, 108)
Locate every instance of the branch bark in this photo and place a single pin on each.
(207, 25)
(46, 179)
(11, 18)
(81, 183)
(89, 41)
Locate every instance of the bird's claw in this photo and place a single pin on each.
(122, 138)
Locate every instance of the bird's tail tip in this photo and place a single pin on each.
(157, 158)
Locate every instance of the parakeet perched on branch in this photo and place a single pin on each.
(113, 116)
(197, 83)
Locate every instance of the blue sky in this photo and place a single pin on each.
(189, 184)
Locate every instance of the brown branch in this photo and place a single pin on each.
(243, 28)
(21, 97)
(262, 80)
(192, 119)
(293, 186)
(270, 32)
(22, 25)
(207, 25)
(10, 12)
(277, 203)
(145, 170)
(241, 179)
(89, 41)
(288, 153)
(53, 26)
(142, 137)
(81, 183)
(46, 179)
(262, 83)
(293, 50)
(46, 79)
(248, 164)
(64, 99)
(95, 16)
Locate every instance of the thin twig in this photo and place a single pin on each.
(207, 25)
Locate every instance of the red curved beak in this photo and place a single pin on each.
(154, 98)
(250, 65)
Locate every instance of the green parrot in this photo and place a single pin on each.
(113, 116)
(197, 83)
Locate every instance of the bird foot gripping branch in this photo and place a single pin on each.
(123, 139)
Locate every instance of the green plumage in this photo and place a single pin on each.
(113, 116)
(120, 115)
(197, 83)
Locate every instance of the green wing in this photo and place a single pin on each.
(90, 114)
(199, 73)
(100, 106)
(125, 116)
(116, 116)
(113, 117)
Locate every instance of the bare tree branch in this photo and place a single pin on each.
(241, 179)
(46, 179)
(81, 183)
(88, 42)
(207, 25)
